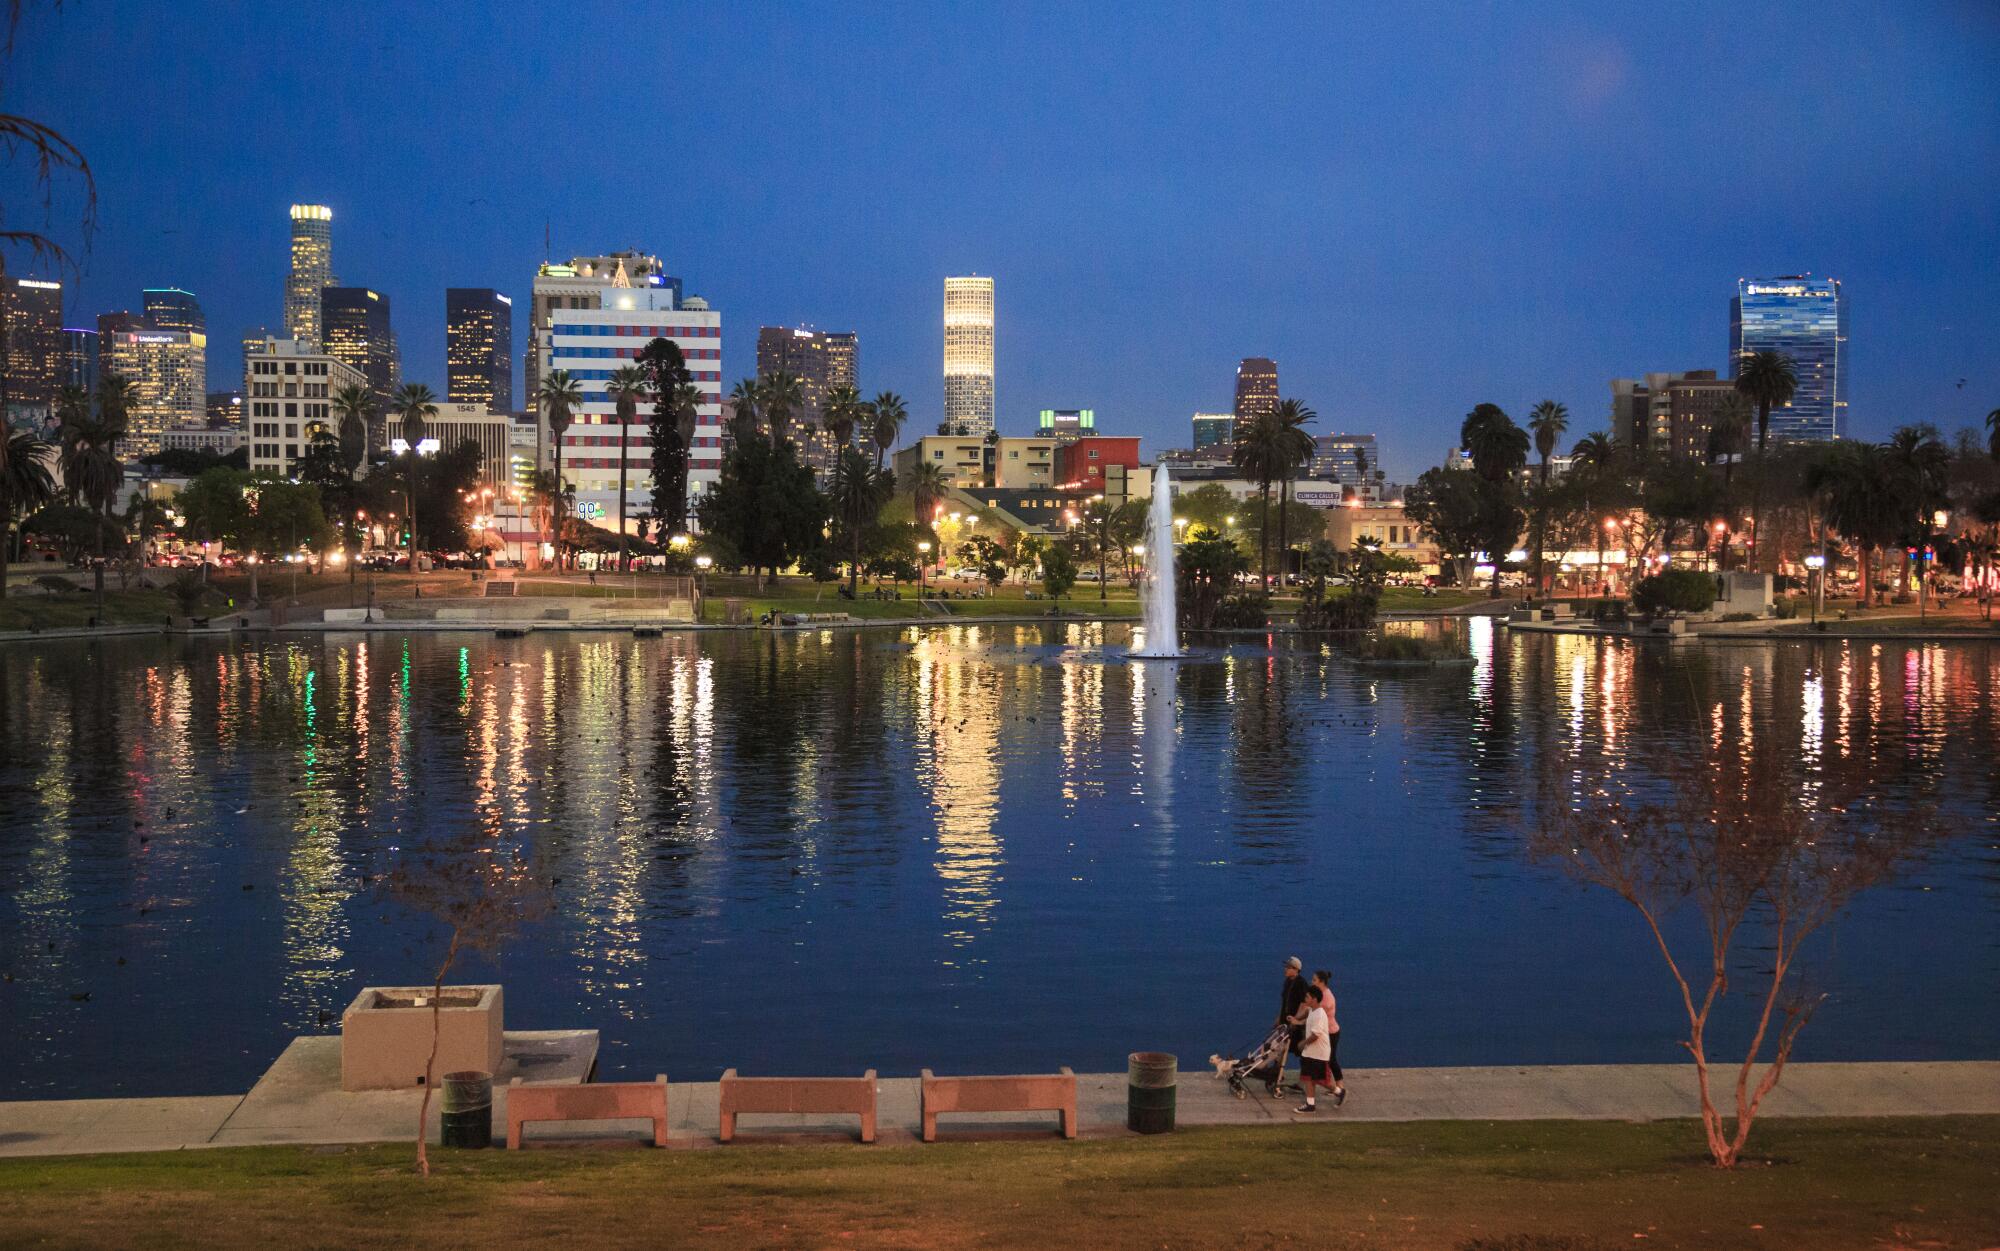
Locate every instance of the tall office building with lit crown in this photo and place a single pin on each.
(31, 319)
(968, 355)
(312, 269)
(170, 308)
(1806, 319)
(1256, 389)
(479, 348)
(1214, 430)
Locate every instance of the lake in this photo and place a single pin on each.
(977, 848)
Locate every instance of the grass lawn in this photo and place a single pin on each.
(1454, 1186)
(74, 610)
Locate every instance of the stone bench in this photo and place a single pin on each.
(1031, 1092)
(592, 1101)
(853, 1095)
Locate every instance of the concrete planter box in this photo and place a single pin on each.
(385, 1035)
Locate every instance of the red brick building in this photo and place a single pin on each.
(1081, 465)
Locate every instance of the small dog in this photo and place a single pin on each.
(1222, 1065)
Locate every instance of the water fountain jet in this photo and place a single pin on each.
(1157, 608)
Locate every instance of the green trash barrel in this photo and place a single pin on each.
(1149, 1092)
(468, 1110)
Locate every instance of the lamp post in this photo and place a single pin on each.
(1817, 563)
(702, 564)
(923, 559)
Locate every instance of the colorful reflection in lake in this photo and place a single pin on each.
(975, 848)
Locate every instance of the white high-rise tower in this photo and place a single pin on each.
(312, 270)
(968, 354)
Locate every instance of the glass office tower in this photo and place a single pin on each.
(479, 348)
(1806, 319)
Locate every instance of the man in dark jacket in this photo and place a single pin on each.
(1291, 1008)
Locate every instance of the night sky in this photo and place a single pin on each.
(1412, 208)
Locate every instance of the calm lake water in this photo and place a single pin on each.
(978, 849)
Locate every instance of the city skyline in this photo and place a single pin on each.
(1395, 290)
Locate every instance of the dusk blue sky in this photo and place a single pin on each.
(1412, 208)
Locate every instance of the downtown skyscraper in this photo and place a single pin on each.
(1256, 389)
(821, 361)
(1804, 318)
(312, 270)
(968, 355)
(479, 348)
(31, 345)
(354, 329)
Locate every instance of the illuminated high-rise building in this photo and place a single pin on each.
(968, 355)
(31, 326)
(312, 270)
(168, 372)
(354, 323)
(1805, 318)
(78, 364)
(1256, 389)
(170, 308)
(1214, 430)
(479, 348)
(821, 362)
(592, 342)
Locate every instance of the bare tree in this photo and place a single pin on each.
(1733, 841)
(483, 894)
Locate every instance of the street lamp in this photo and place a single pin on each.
(924, 559)
(702, 564)
(1817, 563)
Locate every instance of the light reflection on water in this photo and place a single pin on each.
(993, 847)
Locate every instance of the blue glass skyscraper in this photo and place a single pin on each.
(1806, 319)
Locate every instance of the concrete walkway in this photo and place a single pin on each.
(1634, 1092)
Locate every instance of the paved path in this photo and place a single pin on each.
(1576, 1092)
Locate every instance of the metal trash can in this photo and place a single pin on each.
(467, 1119)
(1149, 1092)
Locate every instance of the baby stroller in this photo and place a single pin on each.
(1265, 1063)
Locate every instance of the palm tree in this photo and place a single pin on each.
(838, 416)
(1768, 380)
(1595, 457)
(354, 409)
(1921, 464)
(1497, 446)
(746, 398)
(561, 395)
(685, 404)
(1548, 421)
(628, 389)
(414, 404)
(1295, 448)
(1728, 434)
(887, 413)
(856, 488)
(25, 484)
(1499, 450)
(782, 396)
(1257, 455)
(928, 484)
(1856, 487)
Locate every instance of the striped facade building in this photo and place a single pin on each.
(593, 344)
